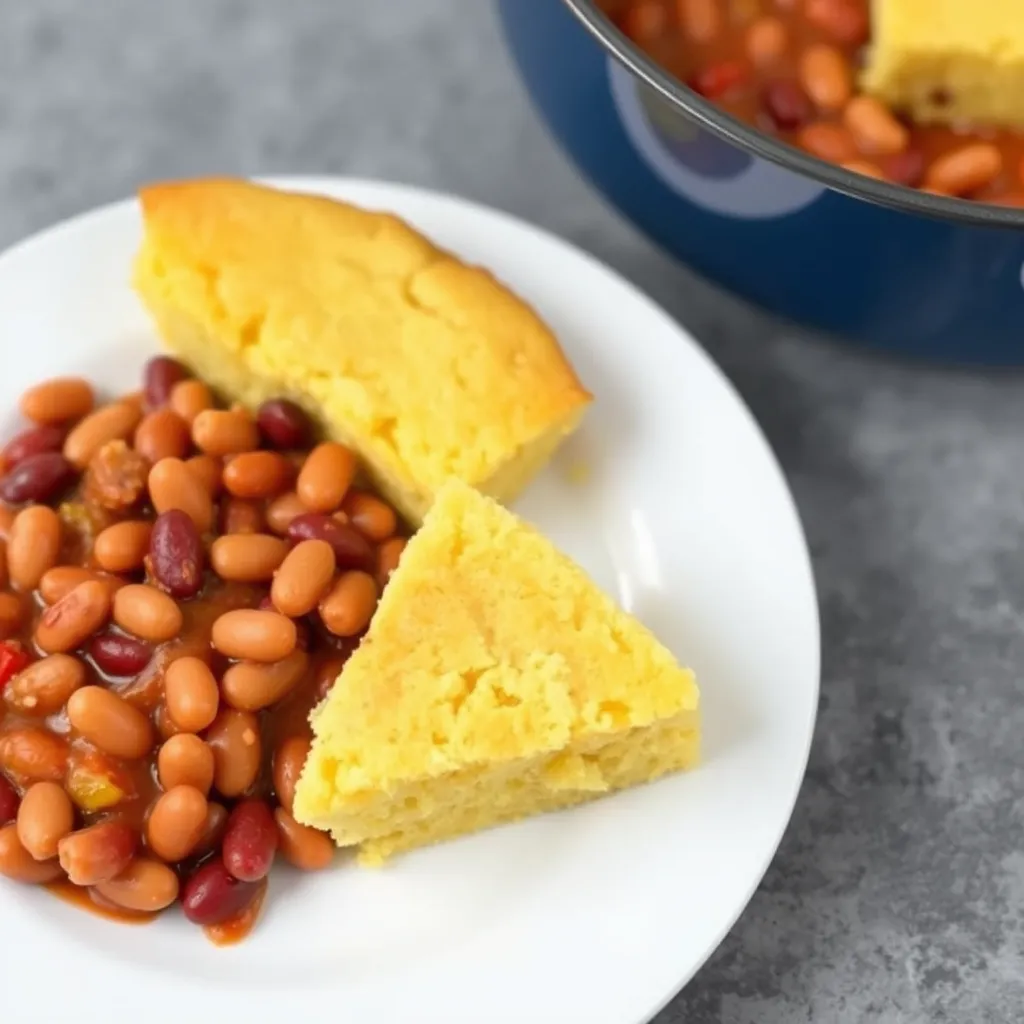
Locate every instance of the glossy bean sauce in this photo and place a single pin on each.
(171, 609)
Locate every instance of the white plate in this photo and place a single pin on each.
(670, 496)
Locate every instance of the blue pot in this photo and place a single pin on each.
(876, 263)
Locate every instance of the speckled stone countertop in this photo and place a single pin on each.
(898, 892)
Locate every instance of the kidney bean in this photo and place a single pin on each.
(786, 104)
(373, 518)
(301, 846)
(189, 398)
(176, 822)
(906, 168)
(209, 470)
(874, 128)
(17, 864)
(58, 400)
(965, 170)
(32, 753)
(250, 687)
(828, 141)
(145, 886)
(191, 694)
(185, 760)
(845, 21)
(250, 841)
(289, 760)
(36, 478)
(346, 609)
(8, 801)
(257, 474)
(176, 554)
(351, 549)
(325, 476)
(865, 167)
(122, 547)
(109, 722)
(247, 557)
(766, 40)
(98, 853)
(328, 671)
(45, 686)
(75, 617)
(388, 556)
(238, 515)
(283, 510)
(826, 76)
(254, 635)
(119, 656)
(114, 422)
(45, 817)
(284, 424)
(61, 580)
(234, 738)
(213, 831)
(147, 612)
(34, 546)
(12, 614)
(172, 485)
(224, 432)
(303, 578)
(212, 894)
(159, 376)
(162, 434)
(46, 438)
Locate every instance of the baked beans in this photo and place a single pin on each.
(790, 67)
(179, 585)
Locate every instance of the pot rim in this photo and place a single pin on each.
(729, 128)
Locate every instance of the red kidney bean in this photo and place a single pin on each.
(906, 168)
(36, 478)
(119, 656)
(715, 81)
(351, 549)
(97, 853)
(212, 894)
(47, 438)
(283, 423)
(786, 104)
(250, 841)
(8, 801)
(176, 554)
(159, 377)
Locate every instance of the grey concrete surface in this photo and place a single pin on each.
(898, 892)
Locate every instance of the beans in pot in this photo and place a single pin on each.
(164, 637)
(790, 68)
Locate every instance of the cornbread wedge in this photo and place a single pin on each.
(496, 681)
(947, 61)
(427, 367)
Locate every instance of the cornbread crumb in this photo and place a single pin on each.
(496, 681)
(427, 367)
(946, 61)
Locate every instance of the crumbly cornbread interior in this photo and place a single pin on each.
(496, 681)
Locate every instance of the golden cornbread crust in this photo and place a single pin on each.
(428, 367)
(947, 61)
(496, 681)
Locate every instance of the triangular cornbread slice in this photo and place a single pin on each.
(428, 367)
(496, 681)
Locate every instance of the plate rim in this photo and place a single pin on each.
(341, 184)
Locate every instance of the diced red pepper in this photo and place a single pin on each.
(13, 658)
(717, 79)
